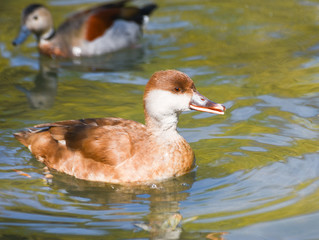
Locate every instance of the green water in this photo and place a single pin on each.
(257, 174)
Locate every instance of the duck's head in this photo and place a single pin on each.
(36, 19)
(170, 92)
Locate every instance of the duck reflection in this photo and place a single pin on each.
(163, 220)
(126, 59)
(43, 94)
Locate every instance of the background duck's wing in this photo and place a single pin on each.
(97, 20)
(103, 18)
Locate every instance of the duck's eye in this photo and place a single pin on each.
(35, 17)
(177, 89)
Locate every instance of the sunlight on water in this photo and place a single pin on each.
(257, 174)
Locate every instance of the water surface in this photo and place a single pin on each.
(257, 174)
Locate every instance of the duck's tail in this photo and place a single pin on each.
(148, 9)
(24, 135)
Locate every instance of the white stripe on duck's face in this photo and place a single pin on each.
(165, 106)
(162, 102)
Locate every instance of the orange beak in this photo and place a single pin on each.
(203, 104)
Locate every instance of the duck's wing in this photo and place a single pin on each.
(103, 17)
(107, 140)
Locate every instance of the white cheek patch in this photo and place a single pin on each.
(160, 102)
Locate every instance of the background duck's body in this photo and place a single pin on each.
(99, 30)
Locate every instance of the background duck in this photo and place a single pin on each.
(124, 151)
(102, 29)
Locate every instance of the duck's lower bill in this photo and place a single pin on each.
(217, 109)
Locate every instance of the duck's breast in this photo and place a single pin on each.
(157, 160)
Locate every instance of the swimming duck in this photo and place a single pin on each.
(121, 151)
(99, 30)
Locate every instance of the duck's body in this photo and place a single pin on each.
(109, 150)
(99, 30)
(123, 151)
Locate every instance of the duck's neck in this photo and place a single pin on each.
(164, 126)
(47, 35)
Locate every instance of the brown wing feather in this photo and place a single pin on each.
(108, 144)
(99, 21)
(106, 140)
(103, 18)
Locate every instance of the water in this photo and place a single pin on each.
(257, 174)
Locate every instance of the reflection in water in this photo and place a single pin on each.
(163, 220)
(43, 94)
(258, 168)
(129, 58)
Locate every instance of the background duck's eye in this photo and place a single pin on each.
(35, 17)
(177, 89)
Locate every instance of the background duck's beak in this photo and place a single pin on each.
(23, 34)
(203, 104)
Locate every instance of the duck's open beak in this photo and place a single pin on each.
(23, 34)
(203, 104)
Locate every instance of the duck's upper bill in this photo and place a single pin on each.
(203, 104)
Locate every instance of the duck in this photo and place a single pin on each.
(121, 151)
(99, 30)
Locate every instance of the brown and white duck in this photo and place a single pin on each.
(117, 150)
(102, 29)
